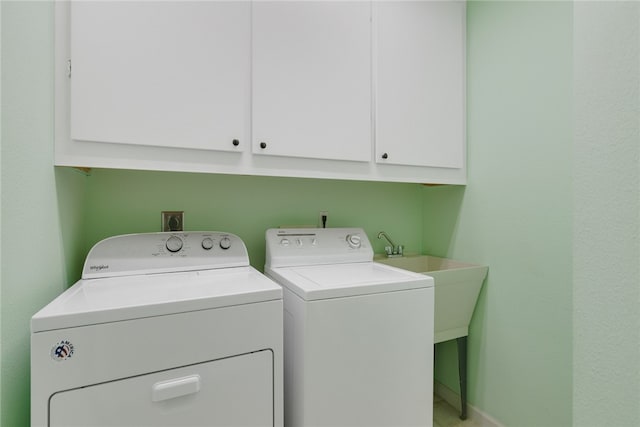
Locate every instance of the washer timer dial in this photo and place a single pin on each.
(354, 241)
(174, 244)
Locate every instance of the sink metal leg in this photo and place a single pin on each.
(462, 372)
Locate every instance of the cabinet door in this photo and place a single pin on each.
(420, 88)
(161, 73)
(312, 79)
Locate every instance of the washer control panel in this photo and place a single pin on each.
(311, 246)
(150, 253)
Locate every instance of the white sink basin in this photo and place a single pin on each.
(457, 286)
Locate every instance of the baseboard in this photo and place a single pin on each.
(473, 413)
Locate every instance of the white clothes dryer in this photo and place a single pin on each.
(163, 329)
(358, 335)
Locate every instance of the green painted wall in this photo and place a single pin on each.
(41, 208)
(606, 246)
(131, 201)
(515, 214)
(0, 215)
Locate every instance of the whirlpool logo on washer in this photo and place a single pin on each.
(62, 351)
(98, 267)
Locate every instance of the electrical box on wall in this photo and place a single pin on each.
(172, 220)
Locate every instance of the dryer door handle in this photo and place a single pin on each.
(170, 389)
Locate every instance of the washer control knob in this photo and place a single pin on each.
(207, 243)
(284, 242)
(354, 241)
(225, 243)
(174, 244)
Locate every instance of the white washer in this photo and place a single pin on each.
(358, 335)
(163, 329)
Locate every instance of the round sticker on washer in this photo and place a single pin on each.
(62, 351)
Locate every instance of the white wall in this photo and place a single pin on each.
(606, 243)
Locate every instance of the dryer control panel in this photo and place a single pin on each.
(288, 247)
(150, 253)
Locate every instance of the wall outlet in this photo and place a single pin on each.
(323, 219)
(172, 220)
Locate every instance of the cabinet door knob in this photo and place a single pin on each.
(385, 156)
(235, 142)
(263, 145)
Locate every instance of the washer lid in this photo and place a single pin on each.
(103, 300)
(341, 280)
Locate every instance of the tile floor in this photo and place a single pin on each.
(445, 415)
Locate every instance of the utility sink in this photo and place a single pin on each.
(457, 286)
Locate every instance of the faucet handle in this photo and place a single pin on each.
(400, 250)
(388, 250)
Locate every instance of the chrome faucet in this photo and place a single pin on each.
(392, 250)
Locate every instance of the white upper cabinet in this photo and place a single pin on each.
(355, 90)
(420, 83)
(312, 79)
(165, 73)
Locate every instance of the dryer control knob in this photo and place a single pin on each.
(284, 242)
(225, 243)
(354, 241)
(174, 244)
(207, 243)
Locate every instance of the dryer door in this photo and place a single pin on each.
(236, 391)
